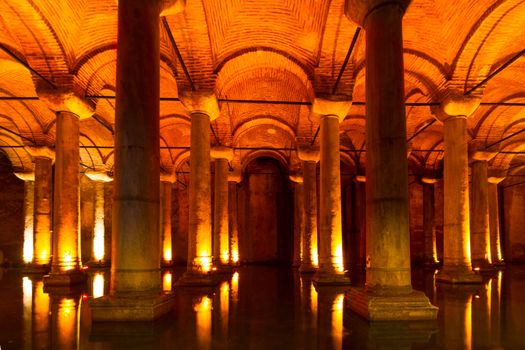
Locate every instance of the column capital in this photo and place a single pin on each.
(25, 175)
(457, 105)
(358, 10)
(98, 176)
(429, 180)
(308, 153)
(167, 177)
(204, 102)
(222, 152)
(65, 100)
(481, 156)
(495, 180)
(171, 7)
(41, 152)
(235, 176)
(297, 178)
(332, 106)
(360, 178)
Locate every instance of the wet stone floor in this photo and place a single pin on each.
(263, 308)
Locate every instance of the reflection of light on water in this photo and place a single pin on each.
(337, 322)
(203, 312)
(166, 282)
(41, 317)
(98, 285)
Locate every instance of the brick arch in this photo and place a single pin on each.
(264, 122)
(279, 156)
(17, 155)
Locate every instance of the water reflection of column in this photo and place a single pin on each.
(40, 328)
(203, 316)
(496, 309)
(64, 321)
(27, 301)
(481, 315)
(224, 306)
(456, 323)
(330, 318)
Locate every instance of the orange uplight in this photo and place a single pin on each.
(235, 256)
(204, 262)
(28, 243)
(338, 258)
(166, 282)
(167, 254)
(67, 263)
(98, 285)
(225, 257)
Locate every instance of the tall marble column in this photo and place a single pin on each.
(479, 228)
(298, 217)
(98, 252)
(203, 108)
(43, 157)
(388, 294)
(135, 292)
(69, 109)
(360, 214)
(332, 110)
(166, 182)
(310, 255)
(29, 204)
(494, 225)
(457, 266)
(429, 225)
(221, 234)
(234, 177)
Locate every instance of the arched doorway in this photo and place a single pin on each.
(265, 213)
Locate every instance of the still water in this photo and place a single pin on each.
(263, 308)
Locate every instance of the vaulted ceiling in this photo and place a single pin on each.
(290, 50)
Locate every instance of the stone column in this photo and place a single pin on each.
(221, 234)
(165, 220)
(203, 108)
(98, 253)
(135, 293)
(429, 225)
(310, 255)
(234, 177)
(480, 230)
(495, 239)
(29, 201)
(298, 217)
(388, 294)
(456, 236)
(360, 213)
(43, 157)
(331, 110)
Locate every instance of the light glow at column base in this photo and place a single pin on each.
(167, 255)
(98, 285)
(166, 282)
(67, 262)
(225, 257)
(315, 257)
(98, 246)
(337, 259)
(235, 256)
(28, 245)
(203, 263)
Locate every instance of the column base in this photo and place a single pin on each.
(132, 308)
(412, 306)
(98, 264)
(36, 269)
(64, 279)
(498, 264)
(193, 279)
(448, 275)
(307, 268)
(322, 278)
(166, 264)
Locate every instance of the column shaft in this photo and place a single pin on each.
(221, 244)
(480, 231)
(99, 227)
(66, 196)
(232, 218)
(388, 240)
(167, 250)
(330, 220)
(429, 225)
(309, 260)
(135, 257)
(495, 240)
(298, 222)
(200, 237)
(42, 211)
(456, 240)
(29, 201)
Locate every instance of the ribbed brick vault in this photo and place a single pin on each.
(290, 50)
